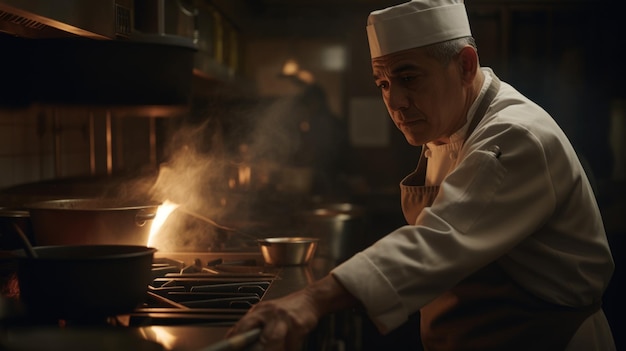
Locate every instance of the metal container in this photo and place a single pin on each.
(288, 251)
(340, 228)
(91, 221)
(84, 282)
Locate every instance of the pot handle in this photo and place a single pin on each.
(142, 217)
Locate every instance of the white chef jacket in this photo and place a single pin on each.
(533, 211)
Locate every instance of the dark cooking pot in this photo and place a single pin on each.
(91, 221)
(86, 282)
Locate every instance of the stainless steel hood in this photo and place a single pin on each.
(88, 53)
(97, 19)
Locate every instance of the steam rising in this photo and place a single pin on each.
(203, 172)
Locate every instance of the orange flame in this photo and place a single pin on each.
(163, 212)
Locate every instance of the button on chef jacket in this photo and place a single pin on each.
(536, 216)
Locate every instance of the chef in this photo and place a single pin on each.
(504, 247)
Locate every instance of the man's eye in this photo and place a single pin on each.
(408, 78)
(382, 85)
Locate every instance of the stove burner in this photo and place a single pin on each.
(218, 292)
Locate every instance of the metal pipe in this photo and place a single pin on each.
(56, 130)
(119, 144)
(153, 146)
(109, 141)
(161, 17)
(92, 144)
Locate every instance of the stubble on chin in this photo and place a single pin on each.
(414, 140)
(414, 137)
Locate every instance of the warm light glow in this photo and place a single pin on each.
(290, 67)
(163, 212)
(160, 335)
(306, 76)
(305, 126)
(245, 173)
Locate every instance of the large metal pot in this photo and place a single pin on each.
(340, 227)
(91, 221)
(84, 282)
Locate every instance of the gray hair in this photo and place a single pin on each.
(445, 51)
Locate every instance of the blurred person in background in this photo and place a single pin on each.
(323, 143)
(504, 246)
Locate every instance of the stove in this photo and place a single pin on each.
(190, 303)
(194, 298)
(208, 289)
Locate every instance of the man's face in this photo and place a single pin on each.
(425, 99)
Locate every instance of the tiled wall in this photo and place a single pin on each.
(49, 143)
(25, 153)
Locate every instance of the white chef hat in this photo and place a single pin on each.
(416, 23)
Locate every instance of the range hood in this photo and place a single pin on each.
(87, 53)
(97, 19)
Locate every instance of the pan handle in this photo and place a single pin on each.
(142, 217)
(235, 343)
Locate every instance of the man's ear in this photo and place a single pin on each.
(468, 63)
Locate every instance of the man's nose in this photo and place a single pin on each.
(397, 98)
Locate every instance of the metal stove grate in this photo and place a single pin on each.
(217, 292)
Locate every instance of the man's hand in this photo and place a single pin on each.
(286, 321)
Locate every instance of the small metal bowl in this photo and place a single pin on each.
(288, 251)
